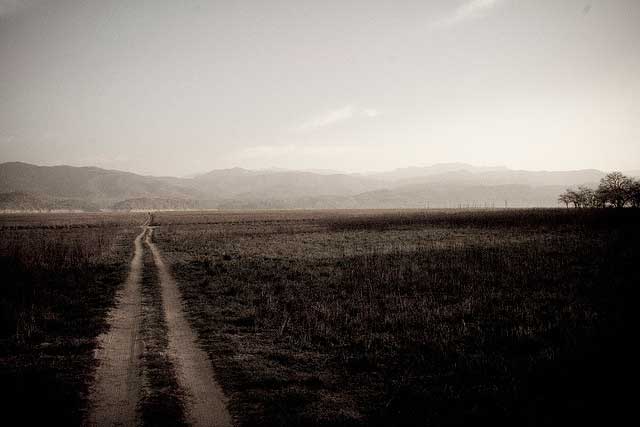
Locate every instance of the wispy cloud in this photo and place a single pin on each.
(336, 116)
(471, 10)
(370, 112)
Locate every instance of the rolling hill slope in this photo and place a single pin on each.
(31, 187)
(94, 185)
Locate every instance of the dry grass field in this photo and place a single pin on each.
(412, 318)
(517, 317)
(59, 275)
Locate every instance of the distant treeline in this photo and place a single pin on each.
(615, 190)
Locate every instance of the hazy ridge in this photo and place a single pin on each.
(27, 187)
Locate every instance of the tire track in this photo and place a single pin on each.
(115, 392)
(205, 403)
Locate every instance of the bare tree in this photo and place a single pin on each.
(565, 198)
(614, 189)
(574, 197)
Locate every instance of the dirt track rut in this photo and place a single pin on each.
(205, 403)
(116, 391)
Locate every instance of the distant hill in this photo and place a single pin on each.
(414, 196)
(453, 195)
(245, 183)
(462, 173)
(31, 187)
(149, 203)
(21, 201)
(98, 186)
(433, 170)
(511, 177)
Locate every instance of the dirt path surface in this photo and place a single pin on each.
(205, 403)
(116, 389)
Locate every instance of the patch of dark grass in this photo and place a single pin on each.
(485, 219)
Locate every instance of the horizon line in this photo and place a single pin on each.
(328, 170)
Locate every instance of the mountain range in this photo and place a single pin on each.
(27, 187)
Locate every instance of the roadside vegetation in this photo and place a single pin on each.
(59, 275)
(515, 317)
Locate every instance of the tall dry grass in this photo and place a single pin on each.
(413, 317)
(45, 271)
(56, 284)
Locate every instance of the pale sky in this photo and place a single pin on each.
(178, 87)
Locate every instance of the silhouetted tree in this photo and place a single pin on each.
(614, 189)
(586, 197)
(565, 198)
(574, 197)
(582, 197)
(634, 193)
(571, 197)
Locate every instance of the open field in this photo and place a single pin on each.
(392, 318)
(331, 317)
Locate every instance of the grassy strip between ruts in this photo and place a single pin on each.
(162, 398)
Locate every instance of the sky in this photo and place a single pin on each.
(181, 87)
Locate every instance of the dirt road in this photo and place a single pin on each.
(116, 389)
(116, 392)
(206, 404)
